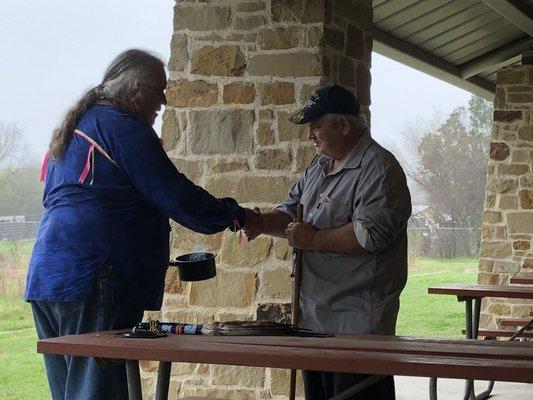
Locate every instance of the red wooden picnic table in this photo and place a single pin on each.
(369, 354)
(472, 296)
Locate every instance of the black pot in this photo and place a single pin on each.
(194, 267)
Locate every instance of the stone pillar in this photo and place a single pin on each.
(237, 70)
(506, 249)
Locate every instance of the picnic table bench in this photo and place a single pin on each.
(367, 354)
(521, 281)
(472, 296)
(516, 322)
(496, 333)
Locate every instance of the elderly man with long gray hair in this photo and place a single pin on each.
(102, 248)
(353, 238)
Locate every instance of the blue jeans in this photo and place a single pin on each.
(80, 378)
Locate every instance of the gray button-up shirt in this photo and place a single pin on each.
(356, 293)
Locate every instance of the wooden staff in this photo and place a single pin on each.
(296, 297)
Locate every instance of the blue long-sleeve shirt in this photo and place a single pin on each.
(121, 218)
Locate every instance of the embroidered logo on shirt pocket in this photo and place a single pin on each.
(332, 213)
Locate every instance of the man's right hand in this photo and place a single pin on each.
(254, 225)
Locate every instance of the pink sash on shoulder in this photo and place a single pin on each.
(88, 163)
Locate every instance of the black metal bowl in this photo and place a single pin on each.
(194, 267)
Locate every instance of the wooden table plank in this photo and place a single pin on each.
(480, 291)
(346, 342)
(517, 322)
(521, 281)
(479, 363)
(502, 333)
(386, 344)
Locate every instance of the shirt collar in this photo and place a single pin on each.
(353, 160)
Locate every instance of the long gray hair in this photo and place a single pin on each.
(130, 72)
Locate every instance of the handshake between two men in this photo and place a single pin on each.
(276, 223)
(301, 235)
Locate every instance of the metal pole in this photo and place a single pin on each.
(468, 314)
(296, 297)
(521, 330)
(469, 384)
(475, 317)
(134, 380)
(486, 394)
(163, 380)
(358, 387)
(433, 388)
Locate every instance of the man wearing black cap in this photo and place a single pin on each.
(354, 240)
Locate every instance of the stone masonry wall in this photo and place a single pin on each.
(237, 69)
(506, 249)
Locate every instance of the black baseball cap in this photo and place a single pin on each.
(332, 99)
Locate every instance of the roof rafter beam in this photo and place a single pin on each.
(518, 14)
(495, 57)
(414, 57)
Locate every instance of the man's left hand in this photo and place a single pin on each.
(301, 235)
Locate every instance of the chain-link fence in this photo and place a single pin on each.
(444, 242)
(18, 230)
(423, 242)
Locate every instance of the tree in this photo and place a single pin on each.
(451, 166)
(21, 191)
(480, 116)
(13, 151)
(11, 144)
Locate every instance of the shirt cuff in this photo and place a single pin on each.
(363, 237)
(238, 215)
(287, 210)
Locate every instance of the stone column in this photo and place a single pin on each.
(237, 70)
(506, 249)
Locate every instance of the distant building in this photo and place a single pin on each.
(421, 216)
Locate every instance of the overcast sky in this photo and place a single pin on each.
(51, 51)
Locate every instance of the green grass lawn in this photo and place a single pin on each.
(22, 375)
(422, 314)
(16, 249)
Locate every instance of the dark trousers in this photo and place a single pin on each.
(320, 385)
(80, 378)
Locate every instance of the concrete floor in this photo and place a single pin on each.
(411, 388)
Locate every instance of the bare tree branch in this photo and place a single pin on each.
(450, 161)
(13, 151)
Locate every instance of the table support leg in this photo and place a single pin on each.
(134, 380)
(358, 387)
(472, 315)
(163, 380)
(469, 384)
(292, 385)
(475, 317)
(472, 329)
(432, 388)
